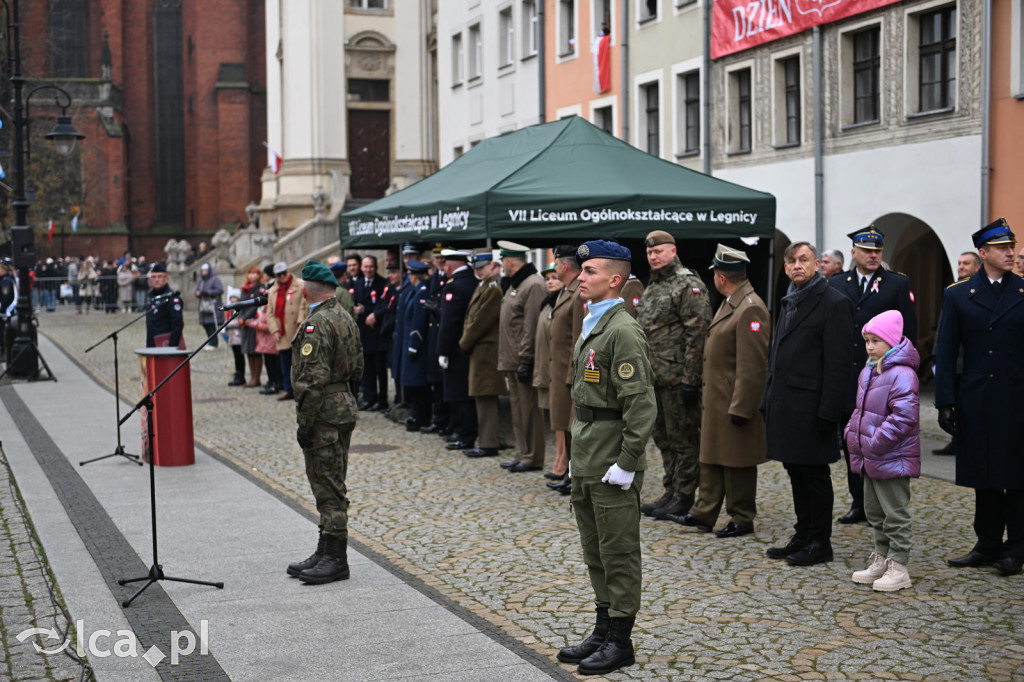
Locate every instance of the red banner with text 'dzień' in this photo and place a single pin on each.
(741, 24)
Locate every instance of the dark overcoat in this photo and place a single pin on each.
(435, 286)
(454, 304)
(398, 333)
(887, 291)
(806, 381)
(368, 296)
(413, 315)
(990, 329)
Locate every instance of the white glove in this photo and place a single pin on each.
(443, 361)
(618, 476)
(568, 469)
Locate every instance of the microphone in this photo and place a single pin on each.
(163, 297)
(250, 303)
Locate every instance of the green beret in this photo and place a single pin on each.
(315, 271)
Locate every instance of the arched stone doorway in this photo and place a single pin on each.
(913, 248)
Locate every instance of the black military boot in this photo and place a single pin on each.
(615, 653)
(575, 654)
(648, 508)
(333, 565)
(298, 567)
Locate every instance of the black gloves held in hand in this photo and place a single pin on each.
(691, 394)
(947, 420)
(304, 435)
(738, 420)
(524, 373)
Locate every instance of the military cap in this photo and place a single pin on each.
(482, 259)
(453, 254)
(659, 237)
(280, 268)
(550, 267)
(729, 259)
(511, 249)
(409, 249)
(416, 267)
(315, 271)
(391, 266)
(438, 248)
(997, 232)
(868, 238)
(565, 251)
(602, 249)
(340, 266)
(158, 267)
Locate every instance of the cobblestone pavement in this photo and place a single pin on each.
(506, 549)
(25, 596)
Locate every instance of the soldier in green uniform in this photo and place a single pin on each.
(327, 369)
(613, 392)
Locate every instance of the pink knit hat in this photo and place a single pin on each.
(887, 326)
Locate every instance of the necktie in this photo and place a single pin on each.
(864, 285)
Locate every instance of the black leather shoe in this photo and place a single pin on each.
(413, 427)
(236, 382)
(855, 515)
(648, 508)
(567, 490)
(734, 530)
(268, 390)
(432, 428)
(948, 449)
(972, 559)
(795, 544)
(363, 405)
(689, 520)
(519, 468)
(481, 452)
(509, 465)
(554, 477)
(1009, 565)
(814, 552)
(459, 445)
(560, 486)
(446, 431)
(451, 438)
(674, 506)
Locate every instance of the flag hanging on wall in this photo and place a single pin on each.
(273, 159)
(49, 231)
(74, 223)
(601, 49)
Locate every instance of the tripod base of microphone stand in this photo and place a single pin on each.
(156, 573)
(118, 452)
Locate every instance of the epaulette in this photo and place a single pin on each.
(493, 284)
(959, 281)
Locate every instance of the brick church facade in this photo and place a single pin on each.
(171, 95)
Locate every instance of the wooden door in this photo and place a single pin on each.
(369, 152)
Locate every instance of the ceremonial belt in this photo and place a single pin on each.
(597, 414)
(337, 387)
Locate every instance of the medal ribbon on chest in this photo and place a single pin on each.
(590, 371)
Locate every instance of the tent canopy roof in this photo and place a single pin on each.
(562, 180)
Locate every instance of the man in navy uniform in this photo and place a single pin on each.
(984, 316)
(454, 363)
(873, 290)
(163, 313)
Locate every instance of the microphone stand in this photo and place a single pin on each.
(119, 450)
(156, 571)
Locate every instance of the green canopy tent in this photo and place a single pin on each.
(561, 181)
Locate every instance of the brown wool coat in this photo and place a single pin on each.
(480, 340)
(566, 325)
(295, 311)
(520, 310)
(735, 364)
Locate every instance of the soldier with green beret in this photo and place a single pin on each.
(327, 367)
(612, 388)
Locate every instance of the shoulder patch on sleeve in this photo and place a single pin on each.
(307, 348)
(755, 325)
(626, 370)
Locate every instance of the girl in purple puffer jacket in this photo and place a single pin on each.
(885, 447)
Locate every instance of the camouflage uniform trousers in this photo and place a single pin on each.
(677, 435)
(326, 469)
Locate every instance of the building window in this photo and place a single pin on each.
(457, 152)
(566, 28)
(937, 60)
(602, 18)
(457, 59)
(647, 10)
(529, 16)
(507, 34)
(787, 108)
(740, 107)
(368, 4)
(68, 41)
(368, 90)
(652, 119)
(604, 119)
(866, 64)
(688, 112)
(476, 52)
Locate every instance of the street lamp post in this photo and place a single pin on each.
(24, 357)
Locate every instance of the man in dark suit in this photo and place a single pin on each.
(873, 290)
(804, 398)
(453, 361)
(984, 316)
(367, 290)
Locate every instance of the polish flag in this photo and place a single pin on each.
(601, 49)
(273, 159)
(49, 231)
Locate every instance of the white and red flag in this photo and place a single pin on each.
(273, 159)
(601, 49)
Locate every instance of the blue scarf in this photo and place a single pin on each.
(595, 311)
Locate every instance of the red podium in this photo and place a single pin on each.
(174, 443)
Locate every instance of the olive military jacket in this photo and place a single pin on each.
(675, 313)
(611, 371)
(327, 357)
(520, 310)
(480, 337)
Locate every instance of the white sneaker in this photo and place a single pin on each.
(896, 577)
(874, 571)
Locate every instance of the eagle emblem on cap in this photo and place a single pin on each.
(583, 251)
